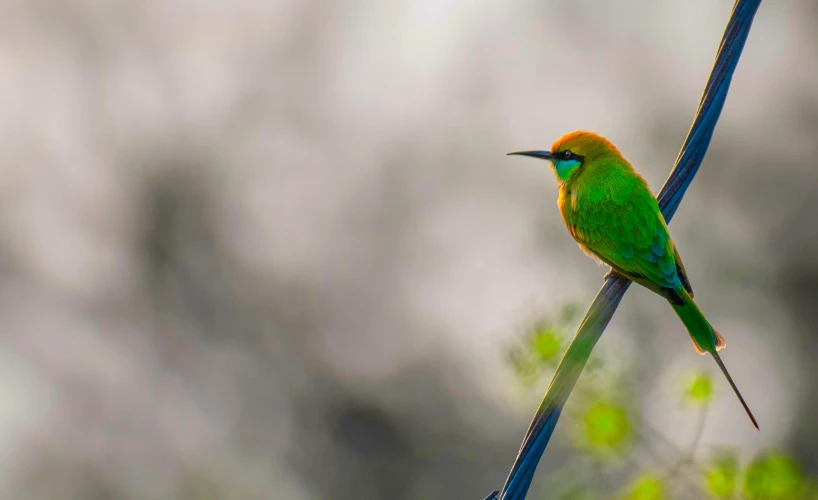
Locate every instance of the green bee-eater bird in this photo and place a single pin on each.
(611, 212)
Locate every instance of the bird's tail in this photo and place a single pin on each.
(706, 339)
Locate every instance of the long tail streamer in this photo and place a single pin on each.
(607, 300)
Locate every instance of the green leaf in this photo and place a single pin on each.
(647, 487)
(541, 348)
(546, 344)
(773, 477)
(606, 426)
(700, 389)
(721, 477)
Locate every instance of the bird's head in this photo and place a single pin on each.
(575, 152)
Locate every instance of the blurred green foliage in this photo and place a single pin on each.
(541, 346)
(606, 427)
(721, 476)
(700, 389)
(609, 432)
(547, 344)
(774, 477)
(646, 487)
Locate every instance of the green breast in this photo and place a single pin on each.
(612, 213)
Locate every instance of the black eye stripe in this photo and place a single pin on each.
(569, 155)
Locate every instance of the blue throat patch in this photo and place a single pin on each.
(564, 168)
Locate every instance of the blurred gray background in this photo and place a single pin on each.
(273, 249)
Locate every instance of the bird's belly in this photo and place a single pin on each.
(590, 253)
(574, 225)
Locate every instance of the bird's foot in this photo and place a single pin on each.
(612, 274)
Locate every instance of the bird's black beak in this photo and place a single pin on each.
(542, 155)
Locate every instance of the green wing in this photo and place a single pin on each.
(625, 229)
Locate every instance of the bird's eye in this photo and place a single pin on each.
(567, 155)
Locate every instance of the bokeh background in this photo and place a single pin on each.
(274, 250)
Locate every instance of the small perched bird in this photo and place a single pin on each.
(611, 212)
